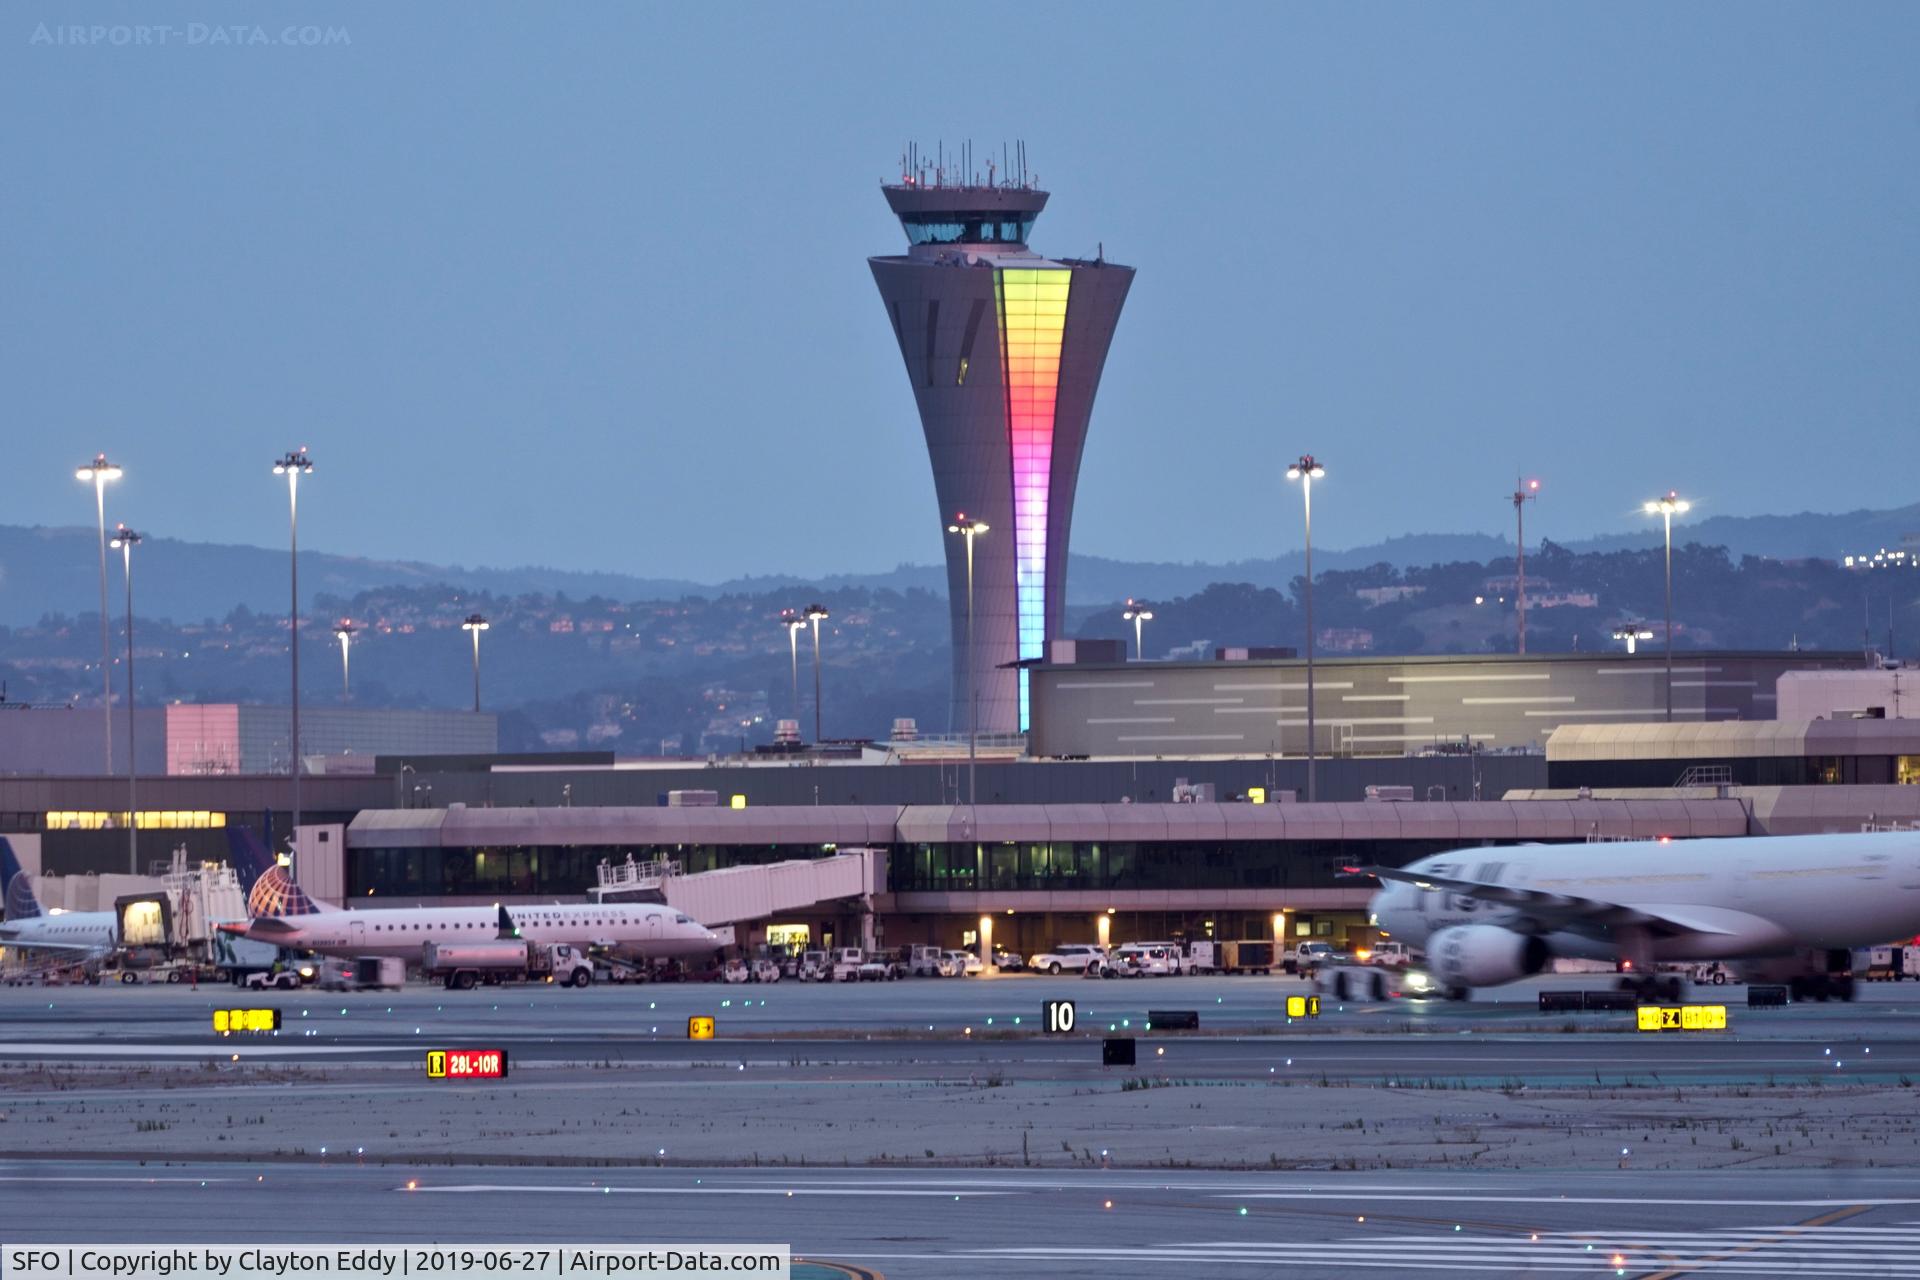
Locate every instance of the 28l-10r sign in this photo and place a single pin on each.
(466, 1064)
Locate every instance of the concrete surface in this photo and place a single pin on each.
(1075, 1225)
(1787, 1145)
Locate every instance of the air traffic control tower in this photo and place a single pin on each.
(1004, 349)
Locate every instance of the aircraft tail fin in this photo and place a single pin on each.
(271, 891)
(16, 886)
(247, 854)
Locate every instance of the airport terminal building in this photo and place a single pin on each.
(1042, 873)
(1182, 844)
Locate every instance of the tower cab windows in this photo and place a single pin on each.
(966, 228)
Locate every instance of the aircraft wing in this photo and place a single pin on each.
(1562, 911)
(30, 944)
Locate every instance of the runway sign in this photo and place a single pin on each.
(1303, 1006)
(227, 1021)
(699, 1028)
(1683, 1017)
(466, 1064)
(1059, 1016)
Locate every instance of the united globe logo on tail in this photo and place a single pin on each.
(21, 904)
(271, 891)
(276, 894)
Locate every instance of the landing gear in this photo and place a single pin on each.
(1822, 987)
(1653, 990)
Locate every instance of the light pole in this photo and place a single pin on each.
(1136, 614)
(1666, 508)
(476, 624)
(794, 624)
(815, 614)
(344, 634)
(970, 529)
(293, 466)
(98, 472)
(124, 541)
(1632, 633)
(1524, 491)
(1306, 471)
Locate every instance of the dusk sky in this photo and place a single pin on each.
(586, 285)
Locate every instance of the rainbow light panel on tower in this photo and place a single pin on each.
(1033, 320)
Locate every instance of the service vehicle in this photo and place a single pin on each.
(1385, 952)
(1070, 957)
(172, 972)
(1008, 961)
(1151, 959)
(924, 961)
(271, 980)
(1894, 963)
(814, 967)
(879, 968)
(1712, 973)
(846, 964)
(766, 970)
(465, 965)
(736, 971)
(362, 973)
(1159, 962)
(1309, 956)
(965, 964)
(1203, 956)
(1247, 957)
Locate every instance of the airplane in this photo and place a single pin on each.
(641, 930)
(85, 935)
(26, 928)
(1786, 908)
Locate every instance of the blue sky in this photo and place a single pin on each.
(586, 285)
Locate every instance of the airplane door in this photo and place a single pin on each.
(654, 928)
(357, 934)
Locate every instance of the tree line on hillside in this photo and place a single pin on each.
(703, 673)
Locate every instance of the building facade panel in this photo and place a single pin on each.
(1389, 706)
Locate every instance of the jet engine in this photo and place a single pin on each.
(1484, 955)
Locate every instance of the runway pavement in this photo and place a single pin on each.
(933, 1026)
(1077, 1225)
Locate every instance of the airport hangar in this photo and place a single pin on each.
(1055, 846)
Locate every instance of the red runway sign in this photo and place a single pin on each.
(466, 1064)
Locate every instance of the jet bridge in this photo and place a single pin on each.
(734, 894)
